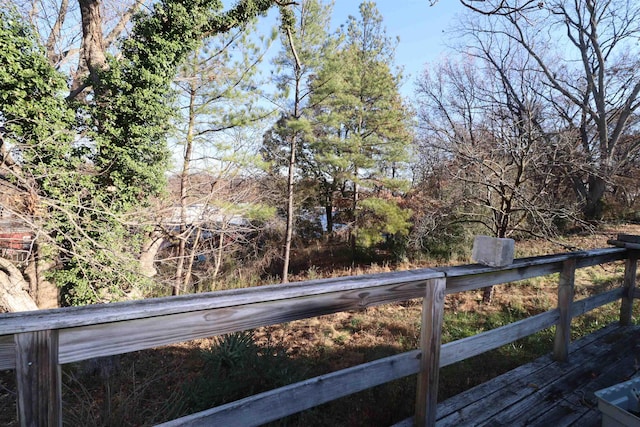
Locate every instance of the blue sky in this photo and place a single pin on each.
(421, 29)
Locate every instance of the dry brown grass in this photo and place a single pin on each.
(328, 343)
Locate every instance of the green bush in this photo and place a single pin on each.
(236, 367)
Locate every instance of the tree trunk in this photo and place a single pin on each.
(353, 229)
(218, 256)
(13, 289)
(290, 208)
(189, 270)
(45, 293)
(184, 182)
(177, 284)
(487, 294)
(329, 215)
(54, 56)
(148, 254)
(593, 202)
(93, 46)
(292, 161)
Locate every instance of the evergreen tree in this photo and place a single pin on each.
(305, 45)
(217, 93)
(361, 129)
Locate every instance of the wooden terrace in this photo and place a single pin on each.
(554, 390)
(549, 393)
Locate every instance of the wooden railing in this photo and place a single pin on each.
(35, 344)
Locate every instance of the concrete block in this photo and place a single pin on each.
(492, 251)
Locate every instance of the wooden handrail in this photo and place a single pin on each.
(459, 278)
(398, 286)
(80, 333)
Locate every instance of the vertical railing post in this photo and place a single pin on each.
(38, 379)
(628, 286)
(565, 300)
(430, 339)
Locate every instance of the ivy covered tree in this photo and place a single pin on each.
(35, 122)
(91, 158)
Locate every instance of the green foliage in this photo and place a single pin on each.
(260, 212)
(218, 92)
(130, 134)
(307, 25)
(361, 126)
(35, 117)
(91, 165)
(252, 211)
(127, 120)
(439, 238)
(287, 19)
(236, 367)
(380, 219)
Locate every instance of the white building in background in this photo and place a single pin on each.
(203, 214)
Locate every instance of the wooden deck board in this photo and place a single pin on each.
(547, 393)
(503, 391)
(579, 403)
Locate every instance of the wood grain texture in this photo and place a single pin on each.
(470, 277)
(562, 389)
(526, 394)
(70, 317)
(587, 304)
(465, 348)
(275, 404)
(521, 381)
(38, 379)
(121, 337)
(247, 308)
(411, 282)
(628, 290)
(562, 337)
(7, 352)
(480, 279)
(430, 343)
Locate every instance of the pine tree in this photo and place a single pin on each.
(361, 128)
(217, 93)
(305, 45)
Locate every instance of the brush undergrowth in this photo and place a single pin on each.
(235, 366)
(162, 384)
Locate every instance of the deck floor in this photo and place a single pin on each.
(547, 393)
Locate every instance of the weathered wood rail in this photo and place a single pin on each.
(36, 344)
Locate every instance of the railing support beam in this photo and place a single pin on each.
(629, 286)
(430, 339)
(38, 379)
(565, 299)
